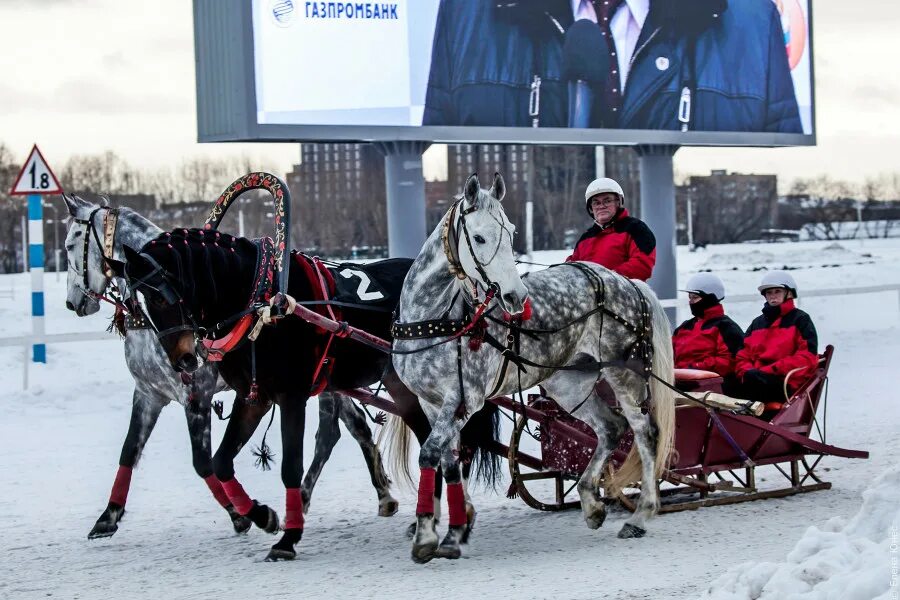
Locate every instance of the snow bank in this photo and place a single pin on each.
(790, 256)
(855, 560)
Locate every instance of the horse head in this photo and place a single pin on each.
(192, 280)
(154, 274)
(90, 269)
(483, 236)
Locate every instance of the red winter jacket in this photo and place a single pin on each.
(779, 346)
(707, 343)
(626, 246)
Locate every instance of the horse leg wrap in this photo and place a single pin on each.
(293, 509)
(215, 486)
(239, 498)
(425, 505)
(456, 500)
(119, 492)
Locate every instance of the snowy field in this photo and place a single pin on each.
(60, 442)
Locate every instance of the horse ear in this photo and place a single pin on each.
(117, 266)
(132, 256)
(471, 189)
(498, 190)
(73, 203)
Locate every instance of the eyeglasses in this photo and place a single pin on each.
(604, 202)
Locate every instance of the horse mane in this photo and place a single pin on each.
(195, 255)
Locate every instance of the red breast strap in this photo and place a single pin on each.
(220, 347)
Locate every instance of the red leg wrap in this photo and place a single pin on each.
(239, 498)
(119, 492)
(293, 509)
(425, 505)
(456, 499)
(215, 486)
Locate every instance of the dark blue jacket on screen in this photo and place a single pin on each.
(485, 59)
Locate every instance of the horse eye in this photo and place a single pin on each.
(479, 239)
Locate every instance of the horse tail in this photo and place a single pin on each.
(480, 436)
(393, 439)
(662, 408)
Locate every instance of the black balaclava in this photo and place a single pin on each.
(706, 301)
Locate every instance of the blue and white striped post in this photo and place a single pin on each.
(36, 265)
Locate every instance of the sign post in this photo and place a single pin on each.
(36, 180)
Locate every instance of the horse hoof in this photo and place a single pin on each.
(595, 521)
(411, 531)
(631, 531)
(107, 524)
(102, 530)
(388, 507)
(423, 553)
(264, 517)
(448, 551)
(241, 523)
(276, 554)
(284, 548)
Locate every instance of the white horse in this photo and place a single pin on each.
(588, 325)
(94, 249)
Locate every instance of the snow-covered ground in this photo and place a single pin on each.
(60, 441)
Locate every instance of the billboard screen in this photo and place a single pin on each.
(730, 72)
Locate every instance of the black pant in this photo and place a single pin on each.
(758, 386)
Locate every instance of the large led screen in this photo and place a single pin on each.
(485, 70)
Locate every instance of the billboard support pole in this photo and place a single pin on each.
(658, 212)
(405, 185)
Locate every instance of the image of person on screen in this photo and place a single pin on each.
(705, 65)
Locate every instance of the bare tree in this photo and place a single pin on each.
(828, 203)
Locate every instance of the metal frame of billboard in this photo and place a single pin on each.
(227, 111)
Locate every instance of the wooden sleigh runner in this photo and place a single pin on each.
(716, 452)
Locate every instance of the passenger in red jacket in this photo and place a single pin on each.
(710, 340)
(779, 341)
(617, 241)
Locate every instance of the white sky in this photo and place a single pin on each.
(85, 76)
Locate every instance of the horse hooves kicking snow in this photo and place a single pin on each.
(107, 524)
(631, 531)
(240, 523)
(284, 549)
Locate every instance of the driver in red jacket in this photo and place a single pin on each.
(617, 241)
(779, 342)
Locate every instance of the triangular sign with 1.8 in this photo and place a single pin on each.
(36, 177)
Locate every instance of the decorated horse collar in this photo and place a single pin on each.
(261, 291)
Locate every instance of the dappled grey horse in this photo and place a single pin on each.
(592, 336)
(95, 238)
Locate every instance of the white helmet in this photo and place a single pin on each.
(601, 186)
(706, 283)
(777, 279)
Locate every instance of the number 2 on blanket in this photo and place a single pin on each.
(362, 291)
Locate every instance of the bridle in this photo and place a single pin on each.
(170, 295)
(451, 244)
(106, 249)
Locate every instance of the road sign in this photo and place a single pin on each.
(36, 177)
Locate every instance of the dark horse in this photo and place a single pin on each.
(193, 280)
